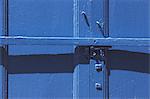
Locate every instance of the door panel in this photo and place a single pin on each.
(41, 17)
(40, 72)
(50, 71)
(39, 86)
(93, 10)
(127, 84)
(85, 77)
(129, 18)
(97, 11)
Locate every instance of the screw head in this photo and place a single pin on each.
(94, 53)
(98, 67)
(98, 86)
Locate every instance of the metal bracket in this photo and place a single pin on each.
(99, 54)
(85, 53)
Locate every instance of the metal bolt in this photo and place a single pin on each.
(102, 53)
(94, 53)
(98, 67)
(98, 86)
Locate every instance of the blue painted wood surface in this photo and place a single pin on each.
(62, 18)
(1, 82)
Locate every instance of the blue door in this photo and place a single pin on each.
(74, 49)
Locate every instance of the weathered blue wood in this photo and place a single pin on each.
(129, 30)
(126, 84)
(129, 18)
(1, 66)
(95, 77)
(3, 72)
(85, 77)
(1, 82)
(131, 44)
(21, 40)
(81, 82)
(96, 14)
(42, 18)
(39, 86)
(2, 76)
(4, 82)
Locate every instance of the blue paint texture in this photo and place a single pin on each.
(129, 18)
(1, 66)
(1, 82)
(39, 86)
(63, 19)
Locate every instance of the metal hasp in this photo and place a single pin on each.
(99, 54)
(96, 58)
